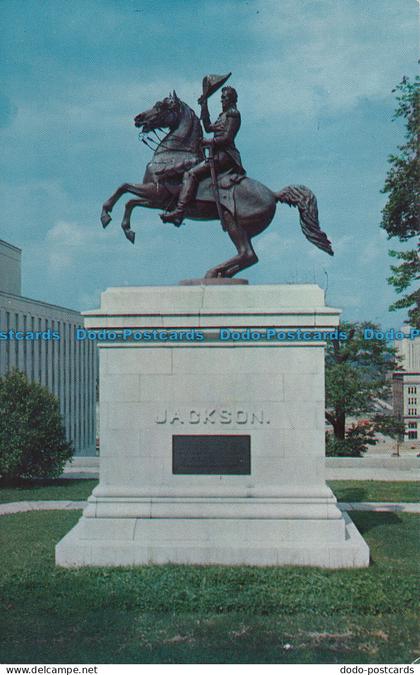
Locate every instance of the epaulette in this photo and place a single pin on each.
(233, 112)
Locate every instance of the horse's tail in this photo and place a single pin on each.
(305, 200)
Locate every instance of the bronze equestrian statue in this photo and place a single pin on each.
(186, 183)
(227, 155)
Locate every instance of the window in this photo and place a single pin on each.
(412, 435)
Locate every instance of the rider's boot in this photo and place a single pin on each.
(187, 194)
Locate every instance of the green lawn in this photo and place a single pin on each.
(344, 490)
(180, 614)
(62, 488)
(375, 491)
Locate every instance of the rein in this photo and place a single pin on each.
(156, 145)
(161, 144)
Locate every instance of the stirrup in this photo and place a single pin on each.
(176, 217)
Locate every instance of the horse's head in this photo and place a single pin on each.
(163, 114)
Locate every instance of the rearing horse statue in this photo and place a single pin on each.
(248, 207)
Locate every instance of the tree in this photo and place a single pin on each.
(32, 440)
(401, 216)
(392, 426)
(356, 376)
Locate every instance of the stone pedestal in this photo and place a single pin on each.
(212, 450)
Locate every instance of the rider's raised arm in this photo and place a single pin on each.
(231, 128)
(205, 117)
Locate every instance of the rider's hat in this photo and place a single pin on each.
(212, 83)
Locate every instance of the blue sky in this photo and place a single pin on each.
(314, 79)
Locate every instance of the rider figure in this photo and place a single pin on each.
(226, 155)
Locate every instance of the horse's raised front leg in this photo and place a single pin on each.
(126, 221)
(148, 195)
(110, 203)
(246, 254)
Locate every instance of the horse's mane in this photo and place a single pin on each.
(187, 135)
(193, 123)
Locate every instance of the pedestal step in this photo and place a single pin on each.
(210, 541)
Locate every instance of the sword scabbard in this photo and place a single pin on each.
(215, 187)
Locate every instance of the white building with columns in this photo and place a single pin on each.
(66, 366)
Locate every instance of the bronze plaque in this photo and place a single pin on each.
(211, 455)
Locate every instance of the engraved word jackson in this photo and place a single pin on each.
(212, 416)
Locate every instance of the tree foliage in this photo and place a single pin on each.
(390, 425)
(32, 440)
(401, 216)
(356, 376)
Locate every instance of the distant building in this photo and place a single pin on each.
(67, 367)
(406, 387)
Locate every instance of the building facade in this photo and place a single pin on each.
(406, 388)
(53, 356)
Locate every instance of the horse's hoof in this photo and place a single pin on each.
(105, 218)
(130, 235)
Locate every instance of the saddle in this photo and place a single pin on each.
(226, 182)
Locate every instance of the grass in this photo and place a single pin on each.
(375, 491)
(37, 490)
(79, 489)
(185, 614)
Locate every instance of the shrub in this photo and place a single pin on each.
(338, 447)
(358, 437)
(32, 439)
